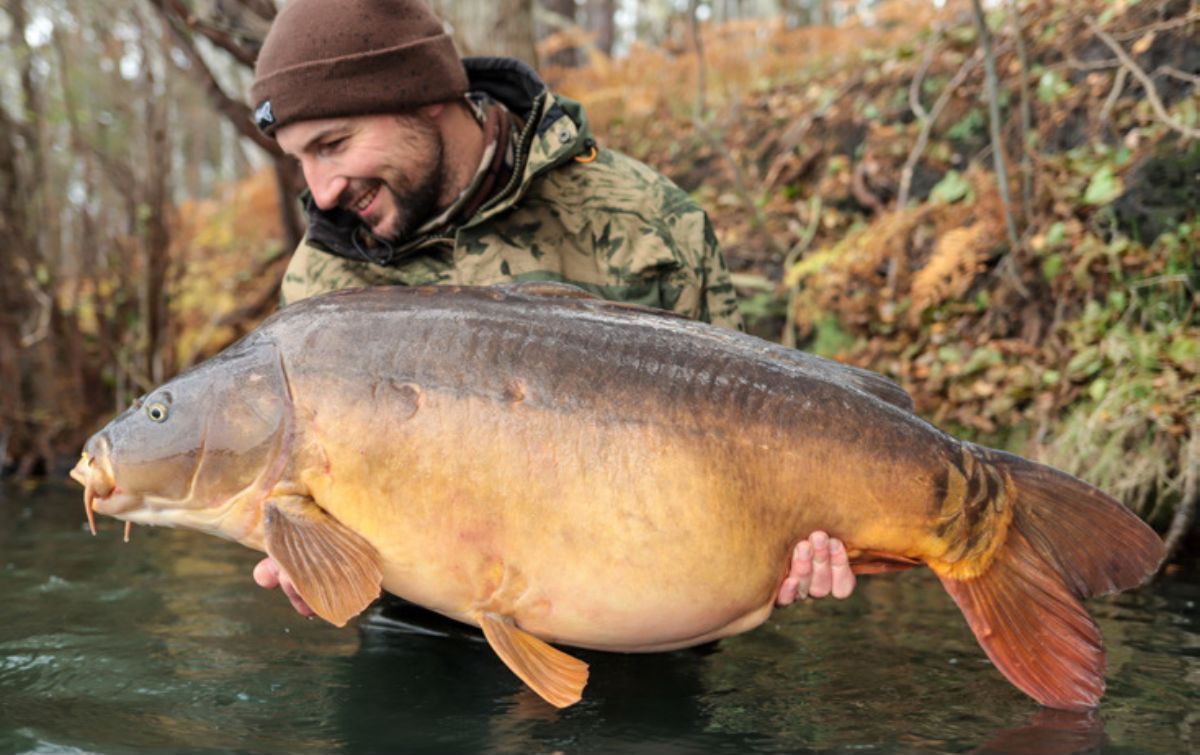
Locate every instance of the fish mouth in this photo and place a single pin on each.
(101, 494)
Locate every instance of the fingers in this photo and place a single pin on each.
(822, 573)
(268, 574)
(820, 566)
(795, 585)
(842, 577)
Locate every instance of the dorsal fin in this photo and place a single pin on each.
(556, 290)
(869, 382)
(552, 289)
(877, 385)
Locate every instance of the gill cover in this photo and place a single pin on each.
(207, 435)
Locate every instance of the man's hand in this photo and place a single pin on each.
(819, 567)
(268, 574)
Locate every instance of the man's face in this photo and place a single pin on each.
(387, 169)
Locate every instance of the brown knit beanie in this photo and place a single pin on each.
(332, 58)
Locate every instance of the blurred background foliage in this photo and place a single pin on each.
(996, 206)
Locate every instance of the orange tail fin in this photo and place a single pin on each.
(1067, 541)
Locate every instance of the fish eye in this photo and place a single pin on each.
(157, 412)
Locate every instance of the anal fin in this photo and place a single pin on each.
(336, 571)
(556, 676)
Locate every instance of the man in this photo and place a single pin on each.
(426, 169)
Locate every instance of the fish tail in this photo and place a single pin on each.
(1066, 541)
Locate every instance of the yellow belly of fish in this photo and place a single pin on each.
(608, 536)
(600, 534)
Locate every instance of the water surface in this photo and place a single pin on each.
(166, 644)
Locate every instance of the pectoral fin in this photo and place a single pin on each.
(336, 572)
(551, 673)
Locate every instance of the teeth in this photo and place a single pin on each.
(365, 202)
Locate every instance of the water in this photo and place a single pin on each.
(166, 644)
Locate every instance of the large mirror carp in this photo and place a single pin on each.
(554, 468)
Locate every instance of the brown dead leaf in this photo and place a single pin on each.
(1144, 43)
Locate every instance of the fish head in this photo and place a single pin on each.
(197, 449)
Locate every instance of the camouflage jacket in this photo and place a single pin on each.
(610, 225)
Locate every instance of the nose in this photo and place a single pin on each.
(98, 446)
(326, 186)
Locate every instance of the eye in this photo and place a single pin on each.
(331, 146)
(157, 412)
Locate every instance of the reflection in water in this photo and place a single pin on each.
(1051, 732)
(164, 644)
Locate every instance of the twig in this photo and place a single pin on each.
(1160, 279)
(1014, 15)
(914, 155)
(1160, 26)
(212, 33)
(859, 190)
(914, 88)
(1175, 73)
(1146, 82)
(1114, 94)
(788, 336)
(998, 154)
(1091, 65)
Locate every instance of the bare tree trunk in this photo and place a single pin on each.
(14, 302)
(564, 12)
(491, 27)
(600, 22)
(515, 31)
(1000, 159)
(155, 207)
(32, 271)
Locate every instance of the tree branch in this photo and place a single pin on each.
(927, 121)
(998, 154)
(1160, 26)
(1175, 73)
(1146, 82)
(1026, 114)
(1114, 94)
(264, 9)
(211, 33)
(237, 112)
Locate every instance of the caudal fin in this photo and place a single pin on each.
(1067, 541)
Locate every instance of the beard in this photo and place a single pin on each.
(415, 193)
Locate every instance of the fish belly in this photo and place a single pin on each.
(608, 533)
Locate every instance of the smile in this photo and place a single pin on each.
(365, 200)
